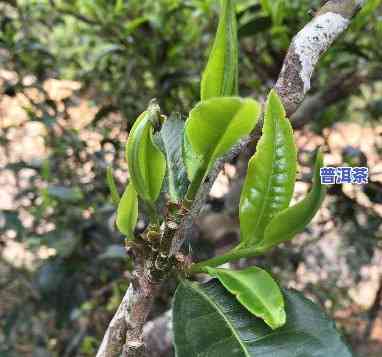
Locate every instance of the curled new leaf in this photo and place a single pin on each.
(256, 290)
(220, 77)
(127, 213)
(285, 225)
(214, 126)
(269, 184)
(147, 164)
(112, 186)
(172, 136)
(190, 158)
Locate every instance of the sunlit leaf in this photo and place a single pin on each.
(215, 125)
(147, 164)
(256, 290)
(127, 213)
(220, 78)
(112, 186)
(269, 184)
(286, 224)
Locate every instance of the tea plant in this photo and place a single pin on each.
(172, 164)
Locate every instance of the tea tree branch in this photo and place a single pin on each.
(124, 334)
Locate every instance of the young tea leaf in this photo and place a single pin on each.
(269, 184)
(147, 164)
(112, 186)
(220, 78)
(127, 213)
(215, 125)
(172, 136)
(286, 224)
(209, 321)
(256, 290)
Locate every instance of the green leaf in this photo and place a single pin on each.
(208, 321)
(127, 213)
(119, 7)
(190, 158)
(278, 12)
(147, 164)
(172, 136)
(256, 290)
(220, 78)
(363, 17)
(269, 184)
(215, 125)
(267, 7)
(285, 225)
(112, 186)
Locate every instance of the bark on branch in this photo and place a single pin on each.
(125, 332)
(308, 46)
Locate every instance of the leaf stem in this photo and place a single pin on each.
(233, 254)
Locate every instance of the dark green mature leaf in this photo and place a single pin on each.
(256, 290)
(127, 213)
(215, 125)
(269, 184)
(147, 164)
(286, 224)
(208, 321)
(172, 136)
(220, 77)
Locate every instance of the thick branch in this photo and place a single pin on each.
(125, 330)
(308, 46)
(157, 335)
